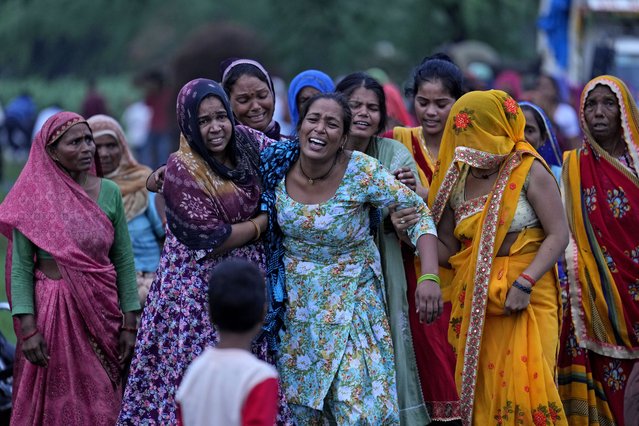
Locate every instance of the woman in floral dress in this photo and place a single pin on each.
(335, 355)
(212, 190)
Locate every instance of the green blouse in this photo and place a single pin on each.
(121, 255)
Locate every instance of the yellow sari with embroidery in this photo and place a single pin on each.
(505, 369)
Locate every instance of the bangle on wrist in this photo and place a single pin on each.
(133, 330)
(30, 335)
(522, 287)
(430, 277)
(257, 230)
(529, 279)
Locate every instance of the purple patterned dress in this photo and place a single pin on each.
(203, 200)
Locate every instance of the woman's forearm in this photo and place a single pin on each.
(549, 253)
(427, 250)
(243, 233)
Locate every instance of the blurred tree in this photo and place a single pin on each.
(105, 37)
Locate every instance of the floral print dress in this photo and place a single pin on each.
(336, 352)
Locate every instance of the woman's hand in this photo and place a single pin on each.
(428, 299)
(516, 299)
(262, 221)
(126, 342)
(402, 220)
(155, 181)
(35, 350)
(405, 175)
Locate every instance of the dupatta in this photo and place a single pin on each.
(129, 175)
(602, 201)
(56, 214)
(203, 196)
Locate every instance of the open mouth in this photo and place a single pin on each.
(316, 142)
(361, 123)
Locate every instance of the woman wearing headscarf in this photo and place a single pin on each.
(72, 281)
(600, 336)
(212, 189)
(144, 223)
(304, 86)
(540, 134)
(496, 203)
(250, 89)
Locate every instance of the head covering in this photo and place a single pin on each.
(509, 79)
(58, 216)
(129, 175)
(550, 149)
(188, 104)
(627, 109)
(308, 78)
(273, 129)
(482, 129)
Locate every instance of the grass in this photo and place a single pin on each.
(11, 172)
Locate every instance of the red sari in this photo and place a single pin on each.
(432, 350)
(78, 315)
(600, 336)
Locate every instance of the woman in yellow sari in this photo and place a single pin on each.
(600, 336)
(502, 228)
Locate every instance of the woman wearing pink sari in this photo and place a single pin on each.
(72, 277)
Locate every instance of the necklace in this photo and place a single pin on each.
(311, 180)
(482, 176)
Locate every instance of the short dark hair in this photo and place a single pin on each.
(354, 81)
(437, 67)
(347, 117)
(237, 295)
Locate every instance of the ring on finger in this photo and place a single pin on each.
(402, 221)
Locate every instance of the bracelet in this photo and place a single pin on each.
(30, 335)
(523, 288)
(257, 230)
(528, 278)
(431, 277)
(129, 329)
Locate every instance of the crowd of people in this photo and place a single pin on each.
(478, 267)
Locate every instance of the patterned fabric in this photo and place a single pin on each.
(175, 326)
(70, 226)
(430, 341)
(505, 365)
(308, 78)
(198, 214)
(129, 175)
(601, 330)
(336, 334)
(399, 301)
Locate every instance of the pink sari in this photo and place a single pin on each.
(78, 315)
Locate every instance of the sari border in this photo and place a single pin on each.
(479, 302)
(574, 285)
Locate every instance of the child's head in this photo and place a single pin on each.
(237, 296)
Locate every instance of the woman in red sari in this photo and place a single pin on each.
(72, 276)
(435, 86)
(600, 336)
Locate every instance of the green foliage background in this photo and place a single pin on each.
(45, 40)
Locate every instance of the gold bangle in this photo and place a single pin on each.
(430, 277)
(257, 230)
